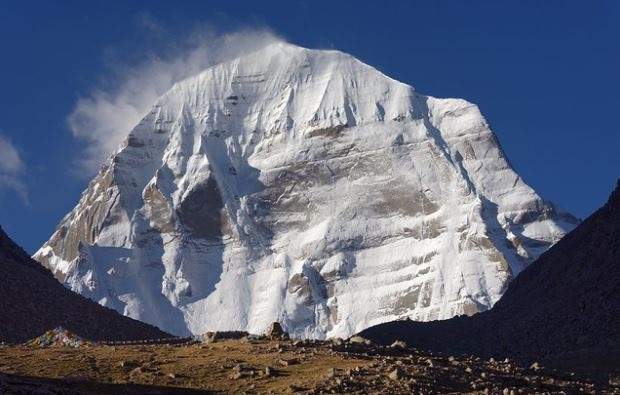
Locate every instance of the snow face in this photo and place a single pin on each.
(305, 187)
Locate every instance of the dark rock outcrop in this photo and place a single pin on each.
(275, 332)
(564, 307)
(32, 301)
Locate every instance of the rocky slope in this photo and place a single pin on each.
(563, 307)
(33, 301)
(305, 187)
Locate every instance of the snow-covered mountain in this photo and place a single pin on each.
(306, 187)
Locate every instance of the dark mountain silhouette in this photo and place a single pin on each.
(563, 308)
(32, 301)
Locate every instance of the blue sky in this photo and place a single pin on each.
(544, 73)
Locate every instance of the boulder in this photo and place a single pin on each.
(275, 332)
(211, 337)
(399, 344)
(359, 340)
(396, 375)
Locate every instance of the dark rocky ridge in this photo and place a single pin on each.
(564, 308)
(32, 301)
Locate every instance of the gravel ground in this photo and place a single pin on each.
(274, 366)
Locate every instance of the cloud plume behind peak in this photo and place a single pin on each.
(103, 117)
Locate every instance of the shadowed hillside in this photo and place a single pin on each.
(32, 301)
(562, 309)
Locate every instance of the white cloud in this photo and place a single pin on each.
(11, 169)
(105, 116)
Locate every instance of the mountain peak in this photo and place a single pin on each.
(305, 187)
(290, 51)
(614, 199)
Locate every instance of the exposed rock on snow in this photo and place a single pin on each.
(304, 187)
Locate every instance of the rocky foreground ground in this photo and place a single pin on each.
(257, 365)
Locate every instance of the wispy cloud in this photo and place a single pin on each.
(147, 21)
(12, 169)
(103, 117)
